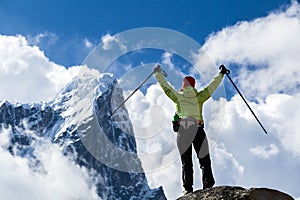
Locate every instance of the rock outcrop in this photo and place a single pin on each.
(236, 193)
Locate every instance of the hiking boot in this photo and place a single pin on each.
(208, 184)
(185, 192)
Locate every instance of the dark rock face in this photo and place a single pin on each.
(236, 193)
(54, 121)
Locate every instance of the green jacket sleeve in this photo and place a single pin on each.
(211, 87)
(168, 89)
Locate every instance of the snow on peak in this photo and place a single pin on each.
(76, 100)
(76, 119)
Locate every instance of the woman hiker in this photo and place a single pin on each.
(189, 103)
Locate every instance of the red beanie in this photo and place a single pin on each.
(190, 80)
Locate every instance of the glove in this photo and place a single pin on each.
(224, 70)
(157, 68)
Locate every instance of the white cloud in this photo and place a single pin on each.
(277, 114)
(151, 116)
(37, 39)
(166, 59)
(251, 157)
(228, 168)
(88, 44)
(281, 111)
(27, 75)
(57, 177)
(266, 51)
(168, 177)
(265, 151)
(270, 43)
(109, 41)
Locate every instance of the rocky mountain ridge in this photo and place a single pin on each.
(76, 121)
(236, 193)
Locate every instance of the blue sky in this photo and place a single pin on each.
(73, 21)
(43, 44)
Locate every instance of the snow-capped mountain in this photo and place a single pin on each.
(77, 121)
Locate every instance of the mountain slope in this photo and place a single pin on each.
(76, 120)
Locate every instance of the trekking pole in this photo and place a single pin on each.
(162, 71)
(227, 73)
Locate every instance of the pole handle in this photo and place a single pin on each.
(227, 71)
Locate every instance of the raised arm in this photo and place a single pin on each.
(167, 88)
(212, 86)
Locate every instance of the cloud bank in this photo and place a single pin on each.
(263, 57)
(269, 44)
(57, 177)
(27, 75)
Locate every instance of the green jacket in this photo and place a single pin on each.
(189, 102)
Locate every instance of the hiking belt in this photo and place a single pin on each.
(188, 121)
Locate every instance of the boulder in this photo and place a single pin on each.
(236, 193)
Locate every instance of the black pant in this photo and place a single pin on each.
(188, 134)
